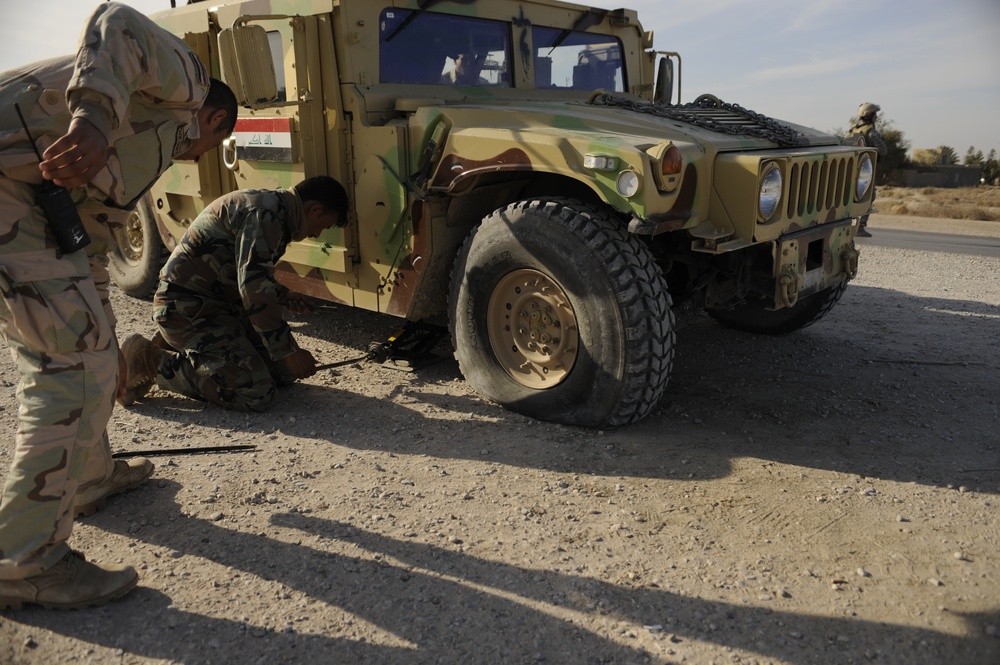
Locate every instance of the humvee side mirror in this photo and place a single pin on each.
(663, 91)
(245, 60)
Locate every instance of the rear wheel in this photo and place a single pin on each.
(135, 262)
(753, 315)
(559, 314)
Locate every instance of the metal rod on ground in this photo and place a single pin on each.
(184, 451)
(341, 363)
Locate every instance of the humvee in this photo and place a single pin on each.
(525, 169)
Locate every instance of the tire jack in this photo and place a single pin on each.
(408, 349)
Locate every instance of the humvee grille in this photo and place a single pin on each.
(815, 187)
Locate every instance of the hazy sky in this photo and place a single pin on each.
(933, 66)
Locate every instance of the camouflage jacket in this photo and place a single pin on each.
(227, 258)
(138, 84)
(872, 138)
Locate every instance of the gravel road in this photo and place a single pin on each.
(825, 497)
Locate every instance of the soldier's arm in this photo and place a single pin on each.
(122, 53)
(879, 143)
(257, 244)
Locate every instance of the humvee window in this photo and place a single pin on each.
(581, 61)
(278, 57)
(438, 49)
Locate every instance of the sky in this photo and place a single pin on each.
(932, 65)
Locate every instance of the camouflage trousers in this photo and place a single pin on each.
(219, 357)
(53, 319)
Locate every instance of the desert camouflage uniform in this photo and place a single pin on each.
(873, 140)
(872, 137)
(219, 304)
(141, 87)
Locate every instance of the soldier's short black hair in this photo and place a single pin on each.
(325, 190)
(221, 98)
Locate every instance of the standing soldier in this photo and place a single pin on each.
(869, 136)
(110, 120)
(219, 309)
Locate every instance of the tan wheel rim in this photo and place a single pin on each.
(130, 239)
(532, 329)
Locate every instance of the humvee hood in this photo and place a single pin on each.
(636, 124)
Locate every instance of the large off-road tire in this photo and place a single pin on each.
(135, 263)
(558, 313)
(752, 316)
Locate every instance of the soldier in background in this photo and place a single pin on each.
(110, 120)
(222, 337)
(865, 129)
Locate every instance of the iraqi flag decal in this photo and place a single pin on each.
(264, 139)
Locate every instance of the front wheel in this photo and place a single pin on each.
(753, 315)
(559, 314)
(134, 263)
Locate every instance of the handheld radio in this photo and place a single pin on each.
(58, 207)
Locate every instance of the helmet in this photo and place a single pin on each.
(867, 109)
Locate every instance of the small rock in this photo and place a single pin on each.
(215, 517)
(960, 556)
(935, 582)
(863, 573)
(30, 643)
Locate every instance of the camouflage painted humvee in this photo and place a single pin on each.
(524, 168)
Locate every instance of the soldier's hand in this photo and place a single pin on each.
(78, 156)
(297, 304)
(300, 364)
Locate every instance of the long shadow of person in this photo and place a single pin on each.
(355, 595)
(330, 597)
(522, 596)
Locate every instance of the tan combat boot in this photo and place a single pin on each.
(142, 360)
(71, 584)
(126, 475)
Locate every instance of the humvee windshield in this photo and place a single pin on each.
(581, 61)
(439, 49)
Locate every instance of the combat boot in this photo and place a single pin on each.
(142, 360)
(126, 475)
(71, 584)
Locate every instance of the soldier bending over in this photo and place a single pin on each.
(110, 120)
(222, 335)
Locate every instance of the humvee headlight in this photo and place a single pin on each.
(600, 162)
(627, 183)
(666, 165)
(866, 173)
(770, 192)
(671, 163)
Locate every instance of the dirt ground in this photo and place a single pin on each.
(830, 496)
